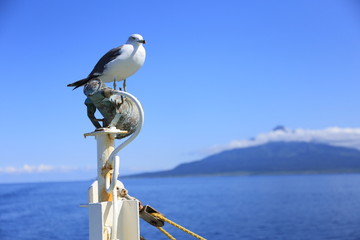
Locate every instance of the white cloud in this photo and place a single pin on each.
(42, 168)
(27, 169)
(345, 137)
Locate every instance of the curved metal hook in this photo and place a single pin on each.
(112, 161)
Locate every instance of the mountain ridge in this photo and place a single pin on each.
(270, 158)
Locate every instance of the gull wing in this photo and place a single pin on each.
(101, 64)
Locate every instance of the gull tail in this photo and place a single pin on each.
(79, 83)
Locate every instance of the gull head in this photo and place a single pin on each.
(136, 39)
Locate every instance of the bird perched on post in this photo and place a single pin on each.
(118, 64)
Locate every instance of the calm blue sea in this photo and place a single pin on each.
(304, 207)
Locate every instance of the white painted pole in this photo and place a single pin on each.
(105, 146)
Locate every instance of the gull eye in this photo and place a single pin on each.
(133, 38)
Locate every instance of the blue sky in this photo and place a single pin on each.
(216, 72)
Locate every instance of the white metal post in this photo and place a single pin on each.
(105, 146)
(118, 219)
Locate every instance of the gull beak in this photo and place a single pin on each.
(142, 41)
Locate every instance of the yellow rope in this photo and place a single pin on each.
(162, 217)
(166, 233)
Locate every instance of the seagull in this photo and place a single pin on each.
(118, 64)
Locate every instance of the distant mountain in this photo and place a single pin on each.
(271, 158)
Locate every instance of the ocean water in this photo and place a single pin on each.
(304, 207)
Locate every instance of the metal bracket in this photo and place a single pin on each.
(117, 108)
(145, 214)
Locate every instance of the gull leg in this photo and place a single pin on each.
(124, 85)
(114, 84)
(122, 97)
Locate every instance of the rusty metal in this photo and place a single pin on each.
(117, 111)
(145, 213)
